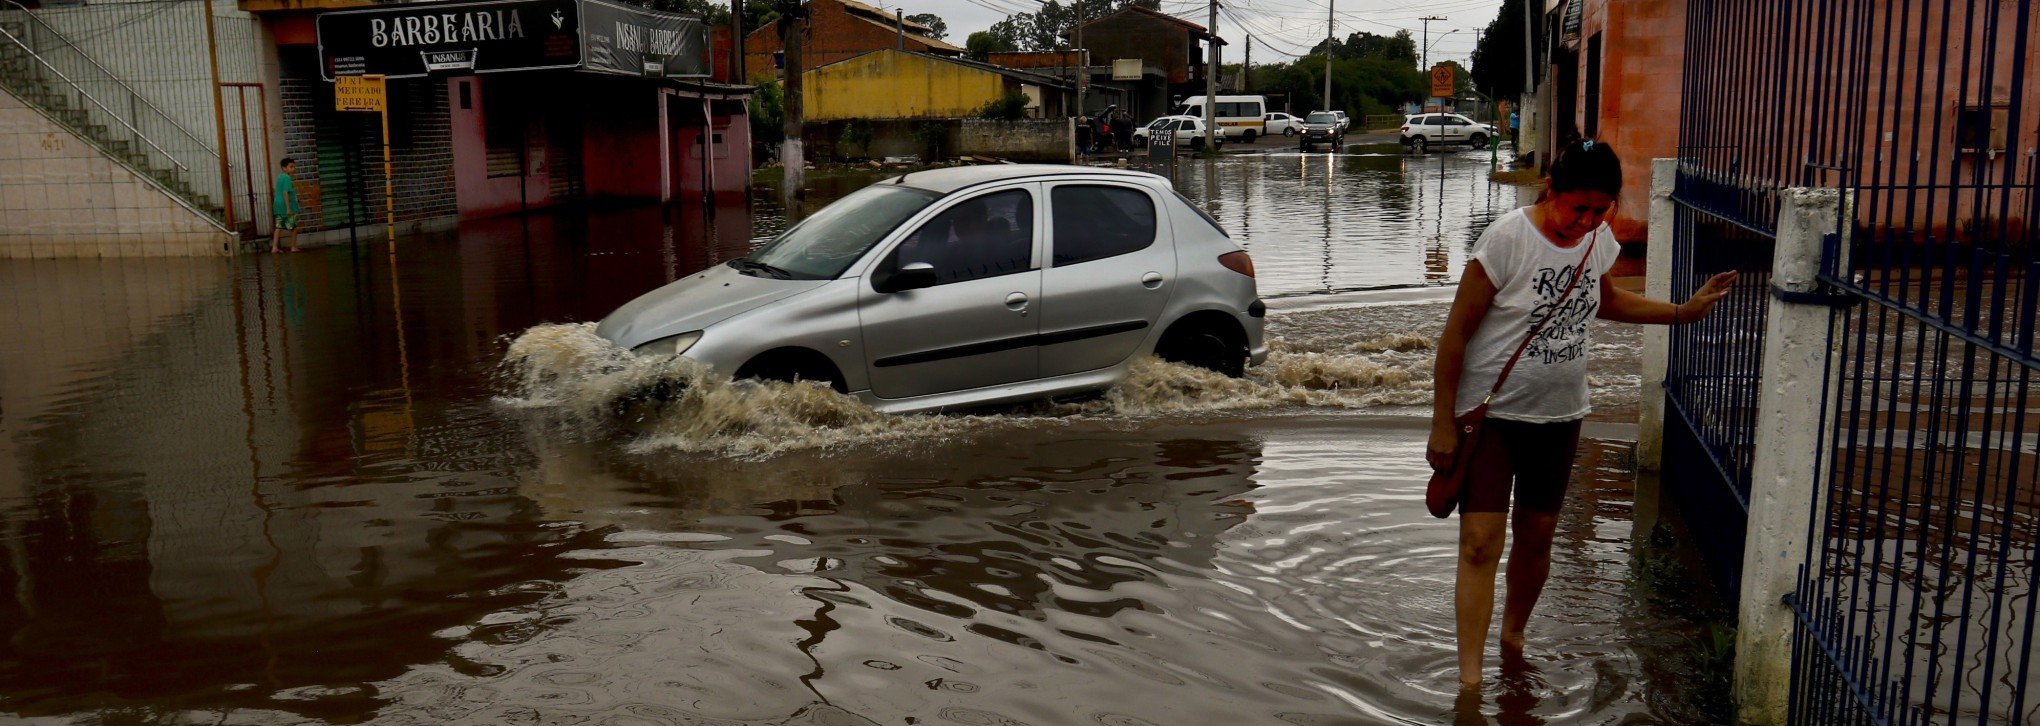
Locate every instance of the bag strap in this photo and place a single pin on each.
(1578, 272)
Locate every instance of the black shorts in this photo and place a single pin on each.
(1537, 457)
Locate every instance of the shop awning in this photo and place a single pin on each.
(422, 39)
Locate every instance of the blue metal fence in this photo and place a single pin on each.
(1917, 604)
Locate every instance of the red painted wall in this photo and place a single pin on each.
(620, 142)
(477, 193)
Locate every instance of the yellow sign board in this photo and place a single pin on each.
(1442, 81)
(359, 93)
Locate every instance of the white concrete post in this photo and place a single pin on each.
(1784, 484)
(1657, 339)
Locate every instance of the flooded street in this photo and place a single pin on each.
(345, 486)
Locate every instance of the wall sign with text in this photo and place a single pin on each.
(459, 38)
(622, 39)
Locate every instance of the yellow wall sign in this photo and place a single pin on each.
(358, 93)
(1442, 81)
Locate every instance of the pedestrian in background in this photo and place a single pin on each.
(283, 203)
(1515, 124)
(1122, 130)
(1083, 137)
(1515, 349)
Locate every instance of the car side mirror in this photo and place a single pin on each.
(913, 276)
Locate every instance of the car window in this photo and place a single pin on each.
(989, 236)
(1435, 121)
(829, 241)
(1322, 118)
(1459, 122)
(1093, 222)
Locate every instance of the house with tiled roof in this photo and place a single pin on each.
(839, 30)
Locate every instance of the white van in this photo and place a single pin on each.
(1242, 117)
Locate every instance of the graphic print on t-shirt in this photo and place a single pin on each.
(1564, 336)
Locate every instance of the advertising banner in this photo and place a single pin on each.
(460, 38)
(622, 39)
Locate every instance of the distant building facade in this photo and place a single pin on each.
(840, 30)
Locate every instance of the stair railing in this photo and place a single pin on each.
(150, 128)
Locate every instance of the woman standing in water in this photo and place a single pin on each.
(1521, 268)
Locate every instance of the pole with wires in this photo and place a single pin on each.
(1331, 30)
(1211, 82)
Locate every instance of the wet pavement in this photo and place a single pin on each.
(308, 487)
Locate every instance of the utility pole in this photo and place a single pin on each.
(1331, 29)
(737, 73)
(1246, 64)
(1211, 82)
(1083, 60)
(900, 24)
(792, 25)
(1425, 64)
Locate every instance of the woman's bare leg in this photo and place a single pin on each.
(1529, 566)
(1481, 535)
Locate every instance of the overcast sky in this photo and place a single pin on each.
(1282, 29)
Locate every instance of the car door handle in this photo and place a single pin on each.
(1017, 302)
(1151, 280)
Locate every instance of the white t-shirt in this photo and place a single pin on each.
(1529, 272)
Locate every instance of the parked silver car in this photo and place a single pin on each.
(969, 286)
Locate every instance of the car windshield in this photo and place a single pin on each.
(1160, 122)
(827, 243)
(1321, 117)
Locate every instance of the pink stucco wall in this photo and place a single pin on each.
(478, 194)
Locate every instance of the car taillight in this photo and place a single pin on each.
(1238, 261)
(1406, 129)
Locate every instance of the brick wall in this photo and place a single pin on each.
(323, 140)
(833, 34)
(1158, 42)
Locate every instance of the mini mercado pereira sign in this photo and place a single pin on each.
(421, 39)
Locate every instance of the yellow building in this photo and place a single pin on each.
(885, 85)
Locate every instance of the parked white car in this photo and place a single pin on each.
(1282, 123)
(1189, 131)
(1431, 129)
(1344, 123)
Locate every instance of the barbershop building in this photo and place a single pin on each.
(504, 107)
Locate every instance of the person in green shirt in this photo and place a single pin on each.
(284, 203)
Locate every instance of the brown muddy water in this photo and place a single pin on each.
(338, 487)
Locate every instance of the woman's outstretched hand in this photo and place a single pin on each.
(1703, 300)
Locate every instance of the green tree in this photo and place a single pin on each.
(768, 113)
(1043, 29)
(937, 29)
(984, 43)
(1498, 58)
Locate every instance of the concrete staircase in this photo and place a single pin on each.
(46, 71)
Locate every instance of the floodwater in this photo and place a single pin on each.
(347, 486)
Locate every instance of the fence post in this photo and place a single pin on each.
(1784, 484)
(1657, 340)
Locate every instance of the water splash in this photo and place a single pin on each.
(584, 385)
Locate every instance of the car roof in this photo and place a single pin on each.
(951, 179)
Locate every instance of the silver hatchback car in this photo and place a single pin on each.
(969, 286)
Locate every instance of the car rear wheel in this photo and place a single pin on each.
(1289, 132)
(1249, 137)
(1206, 340)
(1197, 143)
(1421, 144)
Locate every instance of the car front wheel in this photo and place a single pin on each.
(1480, 141)
(1289, 132)
(1197, 143)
